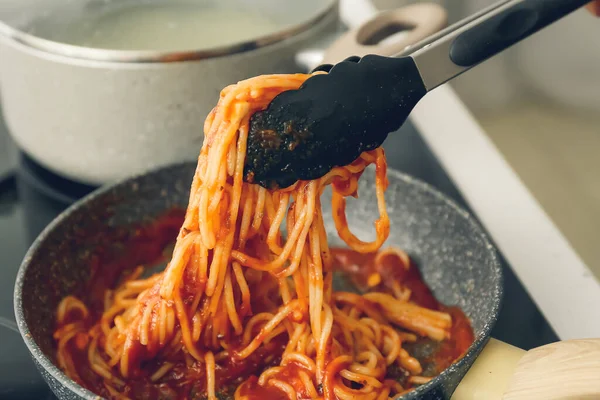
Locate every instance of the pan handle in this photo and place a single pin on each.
(416, 22)
(563, 370)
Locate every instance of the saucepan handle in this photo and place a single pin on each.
(417, 22)
(563, 370)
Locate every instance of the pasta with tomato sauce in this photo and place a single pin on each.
(245, 307)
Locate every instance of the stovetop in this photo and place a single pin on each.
(31, 196)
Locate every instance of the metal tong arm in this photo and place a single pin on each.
(473, 40)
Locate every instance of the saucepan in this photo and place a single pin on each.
(98, 90)
(455, 256)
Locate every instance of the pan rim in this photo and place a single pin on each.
(56, 373)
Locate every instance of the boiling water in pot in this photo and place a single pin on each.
(168, 26)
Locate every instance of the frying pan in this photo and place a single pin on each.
(456, 258)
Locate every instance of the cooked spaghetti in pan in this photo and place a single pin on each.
(246, 306)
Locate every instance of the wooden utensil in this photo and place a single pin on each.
(563, 370)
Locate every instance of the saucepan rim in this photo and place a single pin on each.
(83, 53)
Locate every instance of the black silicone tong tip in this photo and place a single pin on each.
(331, 119)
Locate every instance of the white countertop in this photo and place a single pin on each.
(559, 282)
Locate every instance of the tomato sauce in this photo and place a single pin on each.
(289, 374)
(149, 245)
(391, 268)
(129, 247)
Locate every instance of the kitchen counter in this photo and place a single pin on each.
(554, 150)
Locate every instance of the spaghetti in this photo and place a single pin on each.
(242, 305)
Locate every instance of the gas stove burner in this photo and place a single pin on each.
(44, 194)
(54, 186)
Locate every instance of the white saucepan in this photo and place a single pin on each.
(98, 90)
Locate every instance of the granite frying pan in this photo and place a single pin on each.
(456, 258)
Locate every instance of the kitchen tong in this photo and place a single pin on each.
(332, 118)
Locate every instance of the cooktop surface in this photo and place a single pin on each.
(31, 196)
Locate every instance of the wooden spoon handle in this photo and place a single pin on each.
(566, 370)
(562, 370)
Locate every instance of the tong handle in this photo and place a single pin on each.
(466, 45)
(508, 27)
